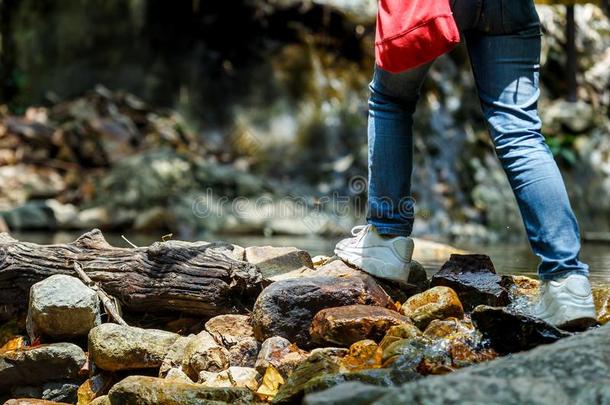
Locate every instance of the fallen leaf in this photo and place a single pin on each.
(15, 343)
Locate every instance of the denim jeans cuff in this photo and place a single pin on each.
(392, 229)
(557, 275)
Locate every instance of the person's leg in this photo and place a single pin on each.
(506, 70)
(390, 140)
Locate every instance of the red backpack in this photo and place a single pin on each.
(413, 32)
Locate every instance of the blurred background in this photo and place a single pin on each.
(246, 120)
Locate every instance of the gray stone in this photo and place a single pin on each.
(349, 393)
(41, 364)
(62, 306)
(174, 358)
(202, 353)
(115, 347)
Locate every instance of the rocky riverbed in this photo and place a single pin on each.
(317, 332)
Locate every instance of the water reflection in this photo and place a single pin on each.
(508, 258)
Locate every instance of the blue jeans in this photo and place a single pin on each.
(503, 42)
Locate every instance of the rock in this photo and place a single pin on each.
(435, 303)
(245, 377)
(176, 374)
(276, 260)
(62, 306)
(362, 355)
(281, 354)
(153, 391)
(244, 353)
(115, 347)
(349, 393)
(384, 377)
(103, 400)
(60, 392)
(229, 329)
(320, 260)
(474, 279)
(286, 308)
(293, 390)
(510, 331)
(344, 326)
(448, 328)
(576, 117)
(399, 332)
(601, 297)
(41, 364)
(96, 386)
(202, 353)
(176, 353)
(32, 401)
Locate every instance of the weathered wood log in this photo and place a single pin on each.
(198, 278)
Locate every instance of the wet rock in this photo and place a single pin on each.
(435, 303)
(474, 279)
(276, 260)
(281, 354)
(244, 377)
(115, 347)
(344, 326)
(62, 306)
(349, 393)
(244, 353)
(362, 355)
(176, 374)
(152, 391)
(202, 353)
(40, 364)
(96, 386)
(286, 308)
(601, 297)
(293, 390)
(400, 332)
(229, 329)
(510, 331)
(448, 328)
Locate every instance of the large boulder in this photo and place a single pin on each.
(344, 326)
(153, 391)
(62, 306)
(574, 370)
(115, 347)
(435, 303)
(40, 364)
(286, 308)
(474, 279)
(510, 331)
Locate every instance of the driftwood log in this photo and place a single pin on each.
(197, 278)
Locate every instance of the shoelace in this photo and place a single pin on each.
(359, 231)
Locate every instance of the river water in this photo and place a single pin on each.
(507, 258)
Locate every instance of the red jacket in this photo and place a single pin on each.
(413, 32)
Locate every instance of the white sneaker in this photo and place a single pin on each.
(566, 303)
(378, 256)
